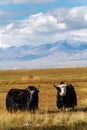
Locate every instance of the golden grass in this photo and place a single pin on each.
(25, 119)
(48, 113)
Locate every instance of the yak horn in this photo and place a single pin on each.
(38, 88)
(55, 86)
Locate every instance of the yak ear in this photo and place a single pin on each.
(38, 88)
(54, 84)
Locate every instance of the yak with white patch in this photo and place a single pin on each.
(66, 96)
(22, 99)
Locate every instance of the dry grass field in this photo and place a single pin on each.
(47, 117)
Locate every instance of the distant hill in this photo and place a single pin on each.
(47, 54)
(60, 49)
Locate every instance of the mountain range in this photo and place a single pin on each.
(47, 55)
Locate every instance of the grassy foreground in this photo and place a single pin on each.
(47, 117)
(24, 120)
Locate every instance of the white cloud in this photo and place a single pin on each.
(9, 27)
(85, 17)
(41, 23)
(59, 24)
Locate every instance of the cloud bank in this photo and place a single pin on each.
(55, 25)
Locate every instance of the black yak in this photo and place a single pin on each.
(22, 99)
(66, 96)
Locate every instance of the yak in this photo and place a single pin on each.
(66, 96)
(22, 99)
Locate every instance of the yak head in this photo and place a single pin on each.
(33, 92)
(61, 88)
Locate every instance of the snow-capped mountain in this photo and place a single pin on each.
(47, 55)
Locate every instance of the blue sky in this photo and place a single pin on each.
(36, 22)
(24, 9)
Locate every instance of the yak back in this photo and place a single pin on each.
(19, 95)
(71, 97)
